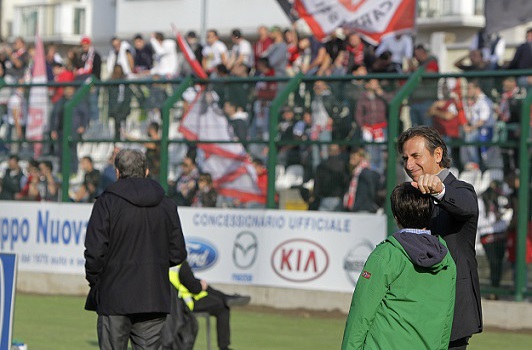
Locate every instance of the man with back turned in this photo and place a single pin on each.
(133, 237)
(454, 217)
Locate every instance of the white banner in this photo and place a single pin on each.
(371, 18)
(48, 237)
(289, 249)
(294, 249)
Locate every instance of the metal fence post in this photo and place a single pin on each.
(80, 94)
(393, 132)
(523, 216)
(279, 100)
(165, 114)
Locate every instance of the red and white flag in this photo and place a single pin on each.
(372, 19)
(189, 55)
(229, 164)
(38, 99)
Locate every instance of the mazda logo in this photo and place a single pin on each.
(245, 249)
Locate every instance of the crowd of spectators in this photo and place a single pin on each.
(321, 110)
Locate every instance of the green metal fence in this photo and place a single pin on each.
(404, 86)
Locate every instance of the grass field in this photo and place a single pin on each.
(60, 323)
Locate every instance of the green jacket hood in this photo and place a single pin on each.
(422, 249)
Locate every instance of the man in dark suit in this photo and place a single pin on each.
(523, 58)
(133, 237)
(454, 217)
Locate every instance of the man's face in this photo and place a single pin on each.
(263, 32)
(69, 91)
(319, 87)
(288, 115)
(85, 165)
(419, 54)
(116, 44)
(372, 85)
(13, 164)
(44, 169)
(19, 44)
(472, 91)
(211, 38)
(139, 44)
(85, 47)
(354, 159)
(508, 85)
(354, 40)
(475, 56)
(187, 166)
(529, 36)
(417, 159)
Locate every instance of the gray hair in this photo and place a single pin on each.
(131, 163)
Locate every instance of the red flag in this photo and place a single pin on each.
(229, 164)
(372, 19)
(189, 55)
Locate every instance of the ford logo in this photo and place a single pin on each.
(202, 255)
(299, 260)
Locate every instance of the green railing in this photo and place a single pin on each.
(167, 106)
(67, 140)
(275, 108)
(410, 83)
(523, 215)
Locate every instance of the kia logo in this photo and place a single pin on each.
(245, 249)
(355, 260)
(299, 260)
(201, 254)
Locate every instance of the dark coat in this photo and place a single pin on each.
(367, 190)
(11, 184)
(80, 116)
(455, 218)
(331, 178)
(133, 237)
(522, 57)
(119, 110)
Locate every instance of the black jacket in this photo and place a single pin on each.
(10, 184)
(331, 178)
(522, 57)
(80, 116)
(367, 191)
(133, 237)
(455, 218)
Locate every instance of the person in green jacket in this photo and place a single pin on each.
(404, 297)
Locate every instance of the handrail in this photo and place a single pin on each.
(80, 94)
(523, 195)
(165, 114)
(393, 131)
(275, 107)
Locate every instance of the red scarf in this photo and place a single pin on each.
(350, 196)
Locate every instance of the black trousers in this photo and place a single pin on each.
(495, 248)
(144, 331)
(214, 304)
(459, 344)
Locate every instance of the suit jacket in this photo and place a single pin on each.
(455, 218)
